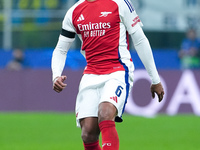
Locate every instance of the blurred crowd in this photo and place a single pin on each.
(189, 53)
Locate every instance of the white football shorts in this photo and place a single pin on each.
(95, 89)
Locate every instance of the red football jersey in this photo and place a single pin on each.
(103, 27)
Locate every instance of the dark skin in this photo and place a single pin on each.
(58, 84)
(107, 111)
(158, 89)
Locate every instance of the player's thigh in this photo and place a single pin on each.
(106, 111)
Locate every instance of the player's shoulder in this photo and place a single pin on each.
(72, 8)
(124, 4)
(76, 5)
(118, 2)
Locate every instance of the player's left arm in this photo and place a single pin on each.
(144, 51)
(133, 25)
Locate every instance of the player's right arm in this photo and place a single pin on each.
(58, 62)
(66, 38)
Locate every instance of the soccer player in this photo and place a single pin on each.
(103, 27)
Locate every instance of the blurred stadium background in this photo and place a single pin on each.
(34, 117)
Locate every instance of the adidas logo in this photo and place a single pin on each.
(114, 98)
(81, 18)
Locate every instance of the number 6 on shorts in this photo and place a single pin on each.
(118, 91)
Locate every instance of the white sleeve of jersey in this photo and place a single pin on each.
(67, 23)
(59, 56)
(144, 51)
(129, 16)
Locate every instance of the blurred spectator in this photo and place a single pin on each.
(190, 51)
(18, 61)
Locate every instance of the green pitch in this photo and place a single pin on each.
(52, 131)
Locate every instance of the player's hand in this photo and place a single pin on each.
(158, 89)
(58, 83)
